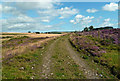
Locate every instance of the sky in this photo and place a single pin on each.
(57, 16)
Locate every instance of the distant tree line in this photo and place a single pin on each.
(102, 28)
(53, 32)
(88, 28)
(46, 32)
(91, 28)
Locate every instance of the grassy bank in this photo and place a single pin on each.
(92, 48)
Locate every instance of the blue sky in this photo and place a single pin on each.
(57, 16)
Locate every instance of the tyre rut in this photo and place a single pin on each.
(83, 66)
(47, 61)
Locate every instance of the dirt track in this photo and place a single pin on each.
(54, 59)
(65, 49)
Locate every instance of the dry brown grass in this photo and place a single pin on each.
(33, 35)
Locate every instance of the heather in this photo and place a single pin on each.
(21, 44)
(20, 41)
(107, 36)
(100, 45)
(50, 57)
(33, 64)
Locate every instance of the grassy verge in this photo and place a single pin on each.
(110, 58)
(105, 64)
(25, 66)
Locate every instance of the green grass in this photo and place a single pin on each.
(18, 67)
(21, 66)
(98, 67)
(63, 66)
(111, 54)
(24, 66)
(108, 60)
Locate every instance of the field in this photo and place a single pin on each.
(80, 55)
(7, 36)
(16, 43)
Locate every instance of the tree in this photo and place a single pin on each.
(29, 31)
(85, 29)
(37, 32)
(91, 28)
(75, 31)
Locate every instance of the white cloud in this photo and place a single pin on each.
(36, 5)
(106, 22)
(10, 10)
(67, 12)
(87, 18)
(20, 20)
(79, 16)
(72, 21)
(82, 20)
(91, 10)
(17, 25)
(110, 7)
(89, 21)
(0, 8)
(45, 8)
(8, 25)
(62, 12)
(45, 21)
(48, 26)
(24, 18)
(61, 17)
(47, 12)
(110, 24)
